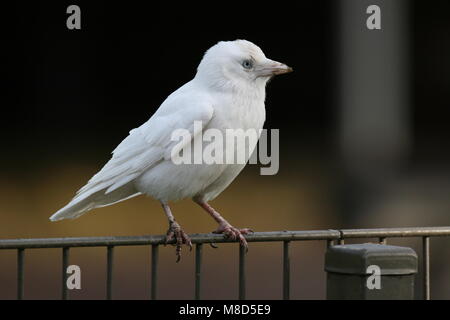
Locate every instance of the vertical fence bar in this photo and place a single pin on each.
(65, 264)
(109, 272)
(20, 273)
(330, 243)
(198, 269)
(341, 241)
(155, 248)
(382, 240)
(426, 267)
(241, 272)
(286, 270)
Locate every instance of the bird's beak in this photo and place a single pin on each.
(271, 68)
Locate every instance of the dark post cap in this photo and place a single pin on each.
(356, 258)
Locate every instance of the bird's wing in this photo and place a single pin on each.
(148, 144)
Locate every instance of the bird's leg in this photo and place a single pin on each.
(175, 232)
(224, 226)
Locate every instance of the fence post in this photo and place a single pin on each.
(370, 272)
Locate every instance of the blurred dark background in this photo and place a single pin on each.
(112, 74)
(70, 96)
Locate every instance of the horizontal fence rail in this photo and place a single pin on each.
(285, 237)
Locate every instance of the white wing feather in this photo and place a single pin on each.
(143, 148)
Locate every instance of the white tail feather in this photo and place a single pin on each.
(82, 203)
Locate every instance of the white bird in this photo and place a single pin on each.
(227, 92)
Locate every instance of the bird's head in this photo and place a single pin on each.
(238, 62)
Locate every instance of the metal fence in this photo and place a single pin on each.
(286, 237)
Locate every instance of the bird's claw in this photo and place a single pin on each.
(176, 233)
(233, 233)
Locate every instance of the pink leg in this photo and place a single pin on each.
(224, 226)
(175, 232)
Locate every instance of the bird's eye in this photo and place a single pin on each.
(247, 64)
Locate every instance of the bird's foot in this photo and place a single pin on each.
(176, 233)
(233, 233)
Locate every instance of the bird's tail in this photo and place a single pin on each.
(86, 201)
